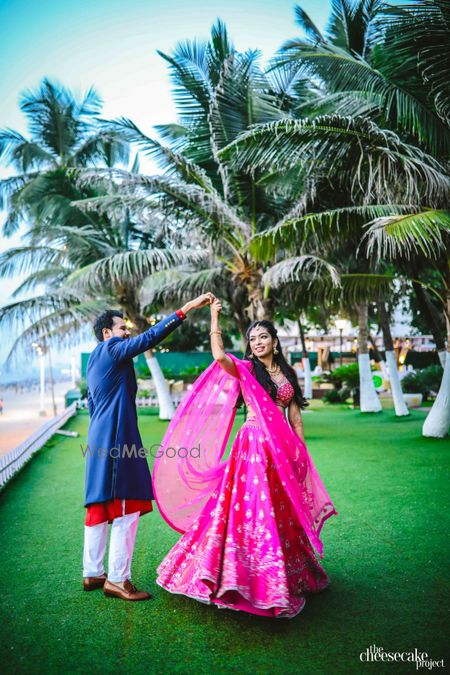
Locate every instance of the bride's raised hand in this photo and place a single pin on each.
(216, 307)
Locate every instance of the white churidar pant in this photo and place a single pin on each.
(121, 546)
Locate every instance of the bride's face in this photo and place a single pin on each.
(261, 342)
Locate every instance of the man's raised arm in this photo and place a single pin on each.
(121, 349)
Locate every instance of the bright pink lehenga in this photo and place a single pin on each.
(246, 550)
(250, 522)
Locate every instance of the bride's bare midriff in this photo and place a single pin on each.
(251, 414)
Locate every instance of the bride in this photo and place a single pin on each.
(250, 522)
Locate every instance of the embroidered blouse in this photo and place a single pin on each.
(285, 394)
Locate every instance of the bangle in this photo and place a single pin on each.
(215, 332)
(180, 314)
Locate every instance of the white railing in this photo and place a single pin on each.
(14, 460)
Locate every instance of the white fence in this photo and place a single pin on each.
(14, 460)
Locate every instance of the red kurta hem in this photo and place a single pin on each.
(113, 508)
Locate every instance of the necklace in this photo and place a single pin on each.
(272, 371)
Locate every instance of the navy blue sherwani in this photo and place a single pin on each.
(114, 467)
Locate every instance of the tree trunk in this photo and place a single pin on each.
(437, 422)
(376, 354)
(307, 384)
(369, 400)
(400, 406)
(429, 313)
(260, 306)
(442, 357)
(166, 407)
(384, 369)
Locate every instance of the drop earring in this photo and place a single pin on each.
(275, 350)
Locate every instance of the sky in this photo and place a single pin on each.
(112, 45)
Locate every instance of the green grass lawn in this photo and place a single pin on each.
(386, 554)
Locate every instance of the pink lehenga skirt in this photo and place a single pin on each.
(246, 550)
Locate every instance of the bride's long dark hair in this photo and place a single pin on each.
(260, 371)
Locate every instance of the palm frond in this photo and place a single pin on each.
(50, 277)
(172, 161)
(107, 146)
(28, 260)
(61, 327)
(22, 154)
(308, 268)
(416, 49)
(344, 72)
(362, 287)
(293, 230)
(426, 233)
(307, 25)
(376, 163)
(11, 192)
(213, 213)
(130, 267)
(180, 284)
(17, 315)
(57, 120)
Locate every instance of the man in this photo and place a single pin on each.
(118, 481)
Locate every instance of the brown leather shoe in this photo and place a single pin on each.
(91, 583)
(125, 592)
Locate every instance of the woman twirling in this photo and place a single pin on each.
(249, 523)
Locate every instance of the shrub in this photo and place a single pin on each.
(337, 395)
(83, 388)
(424, 381)
(345, 381)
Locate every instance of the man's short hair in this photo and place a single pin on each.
(105, 320)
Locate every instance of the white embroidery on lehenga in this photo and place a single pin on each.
(226, 546)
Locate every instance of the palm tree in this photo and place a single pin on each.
(386, 62)
(351, 295)
(61, 238)
(63, 133)
(385, 174)
(400, 406)
(219, 93)
(120, 273)
(400, 237)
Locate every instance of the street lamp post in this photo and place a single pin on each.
(73, 370)
(340, 325)
(40, 349)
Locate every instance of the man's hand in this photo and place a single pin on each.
(201, 301)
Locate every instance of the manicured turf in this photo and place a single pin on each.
(386, 554)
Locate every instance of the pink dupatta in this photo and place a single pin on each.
(189, 465)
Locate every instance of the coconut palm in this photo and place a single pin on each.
(383, 147)
(63, 133)
(351, 295)
(402, 237)
(386, 62)
(61, 239)
(219, 94)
